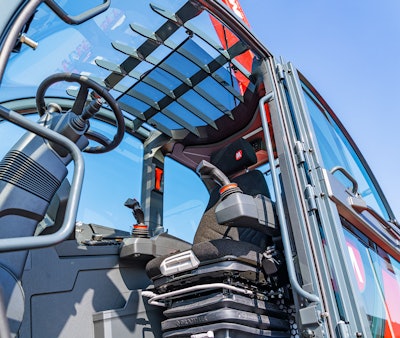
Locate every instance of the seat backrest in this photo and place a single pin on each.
(234, 158)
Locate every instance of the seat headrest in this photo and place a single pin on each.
(236, 156)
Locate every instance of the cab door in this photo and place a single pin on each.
(339, 216)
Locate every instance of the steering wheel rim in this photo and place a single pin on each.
(86, 84)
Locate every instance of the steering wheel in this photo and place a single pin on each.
(79, 104)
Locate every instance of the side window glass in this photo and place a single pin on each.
(185, 200)
(336, 150)
(110, 179)
(377, 277)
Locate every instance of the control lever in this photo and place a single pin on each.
(74, 126)
(235, 207)
(139, 229)
(207, 170)
(137, 210)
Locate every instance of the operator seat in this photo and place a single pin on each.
(236, 157)
(237, 255)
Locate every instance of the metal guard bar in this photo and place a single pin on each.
(23, 243)
(279, 206)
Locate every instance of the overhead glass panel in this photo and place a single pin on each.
(208, 49)
(150, 92)
(186, 67)
(213, 111)
(219, 93)
(185, 114)
(127, 102)
(161, 76)
(165, 121)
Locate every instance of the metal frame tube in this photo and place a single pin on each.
(155, 297)
(279, 205)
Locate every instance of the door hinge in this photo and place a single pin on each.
(280, 72)
(299, 152)
(310, 195)
(343, 329)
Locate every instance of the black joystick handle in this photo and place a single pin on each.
(137, 210)
(207, 170)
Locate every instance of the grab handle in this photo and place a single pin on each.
(348, 176)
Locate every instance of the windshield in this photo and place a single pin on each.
(170, 64)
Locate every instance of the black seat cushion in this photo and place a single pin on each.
(214, 250)
(219, 248)
(209, 230)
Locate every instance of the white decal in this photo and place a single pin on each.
(235, 7)
(358, 271)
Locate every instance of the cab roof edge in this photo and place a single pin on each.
(226, 15)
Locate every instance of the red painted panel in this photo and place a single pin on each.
(228, 39)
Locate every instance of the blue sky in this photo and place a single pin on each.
(350, 52)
